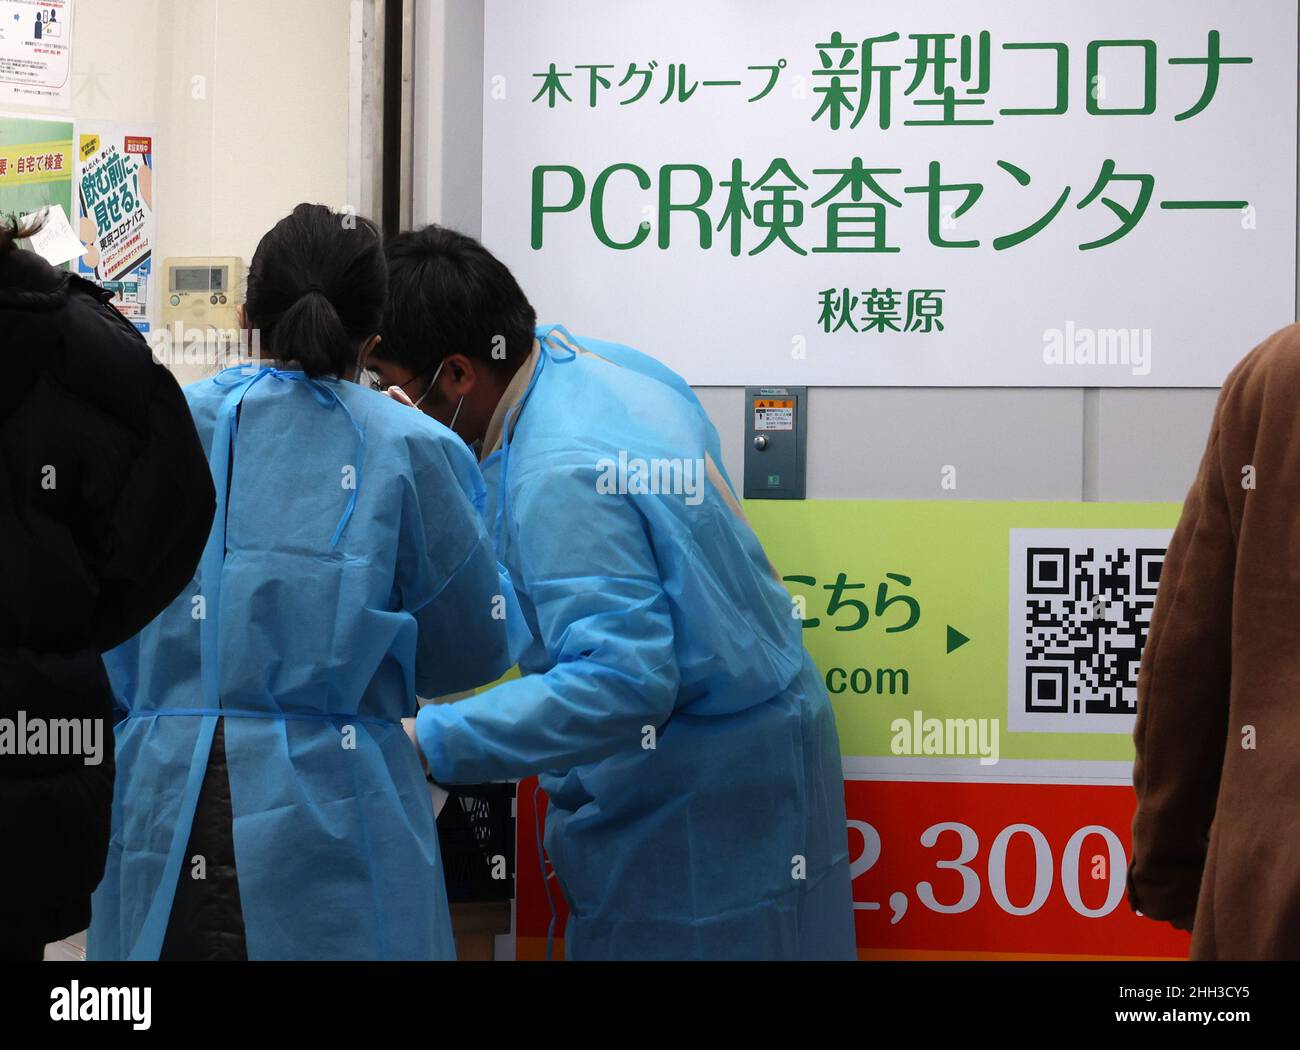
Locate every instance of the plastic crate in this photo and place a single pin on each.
(475, 828)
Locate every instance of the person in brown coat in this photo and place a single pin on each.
(1216, 835)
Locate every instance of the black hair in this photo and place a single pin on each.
(316, 288)
(13, 229)
(448, 294)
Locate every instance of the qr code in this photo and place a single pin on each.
(1080, 608)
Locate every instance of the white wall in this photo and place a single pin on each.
(250, 102)
(252, 99)
(448, 114)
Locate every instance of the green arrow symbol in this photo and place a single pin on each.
(955, 638)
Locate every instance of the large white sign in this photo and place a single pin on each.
(1010, 193)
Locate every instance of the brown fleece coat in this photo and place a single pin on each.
(1216, 835)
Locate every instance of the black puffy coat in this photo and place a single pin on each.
(106, 502)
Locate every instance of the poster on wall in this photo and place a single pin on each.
(115, 212)
(36, 53)
(982, 660)
(994, 193)
(37, 162)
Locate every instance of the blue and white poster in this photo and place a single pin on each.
(115, 211)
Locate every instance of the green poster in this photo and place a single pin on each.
(941, 626)
(37, 161)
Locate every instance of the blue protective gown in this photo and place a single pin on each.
(348, 568)
(656, 620)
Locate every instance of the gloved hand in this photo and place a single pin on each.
(400, 396)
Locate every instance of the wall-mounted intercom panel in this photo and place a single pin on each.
(776, 441)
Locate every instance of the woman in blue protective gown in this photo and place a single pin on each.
(270, 803)
(680, 730)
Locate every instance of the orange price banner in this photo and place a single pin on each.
(955, 869)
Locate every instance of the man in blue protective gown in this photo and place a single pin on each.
(679, 728)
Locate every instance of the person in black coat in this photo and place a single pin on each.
(106, 502)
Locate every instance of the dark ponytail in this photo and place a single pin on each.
(316, 288)
(13, 230)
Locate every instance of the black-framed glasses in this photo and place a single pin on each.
(370, 379)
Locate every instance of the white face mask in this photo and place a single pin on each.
(432, 383)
